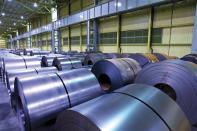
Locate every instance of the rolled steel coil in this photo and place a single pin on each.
(176, 78)
(161, 57)
(80, 56)
(115, 73)
(126, 55)
(32, 62)
(76, 62)
(190, 57)
(12, 74)
(39, 53)
(67, 63)
(132, 108)
(47, 61)
(113, 55)
(141, 59)
(92, 58)
(42, 98)
(12, 63)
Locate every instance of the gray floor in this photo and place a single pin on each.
(8, 120)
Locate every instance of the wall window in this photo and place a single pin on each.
(75, 40)
(108, 38)
(65, 41)
(157, 35)
(140, 36)
(84, 39)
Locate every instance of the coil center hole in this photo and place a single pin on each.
(104, 81)
(90, 62)
(167, 89)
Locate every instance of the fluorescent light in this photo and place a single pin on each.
(14, 23)
(35, 4)
(9, 0)
(0, 22)
(3, 14)
(22, 17)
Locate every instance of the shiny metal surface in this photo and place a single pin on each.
(120, 112)
(113, 55)
(91, 59)
(141, 59)
(190, 57)
(11, 74)
(47, 61)
(39, 99)
(161, 57)
(46, 70)
(12, 63)
(32, 62)
(115, 73)
(62, 64)
(176, 78)
(171, 114)
(76, 62)
(81, 85)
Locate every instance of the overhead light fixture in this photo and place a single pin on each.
(3, 14)
(0, 22)
(35, 4)
(14, 23)
(22, 17)
(9, 0)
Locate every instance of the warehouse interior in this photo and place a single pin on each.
(98, 65)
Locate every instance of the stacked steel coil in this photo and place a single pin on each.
(47, 61)
(32, 62)
(161, 57)
(176, 78)
(39, 53)
(66, 63)
(92, 58)
(190, 57)
(43, 97)
(141, 59)
(131, 108)
(113, 55)
(115, 73)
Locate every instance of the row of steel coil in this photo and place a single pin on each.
(97, 91)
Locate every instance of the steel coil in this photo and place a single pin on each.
(67, 63)
(41, 98)
(190, 57)
(32, 62)
(47, 61)
(176, 78)
(62, 63)
(81, 85)
(126, 55)
(115, 73)
(12, 74)
(161, 57)
(113, 55)
(141, 59)
(127, 109)
(75, 62)
(92, 58)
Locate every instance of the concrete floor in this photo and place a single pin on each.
(8, 120)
